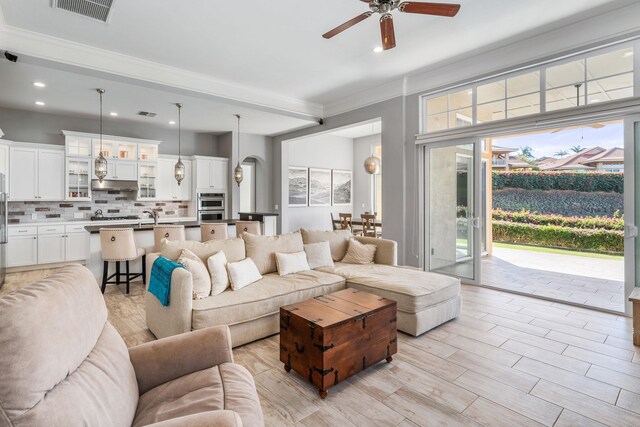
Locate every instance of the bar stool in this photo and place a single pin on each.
(117, 245)
(169, 232)
(214, 231)
(251, 227)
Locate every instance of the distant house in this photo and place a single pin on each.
(503, 160)
(596, 159)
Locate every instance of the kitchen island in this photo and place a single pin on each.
(143, 234)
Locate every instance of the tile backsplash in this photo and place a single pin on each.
(112, 203)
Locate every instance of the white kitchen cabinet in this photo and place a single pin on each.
(122, 170)
(36, 174)
(147, 181)
(22, 251)
(76, 246)
(51, 248)
(168, 188)
(211, 173)
(78, 146)
(4, 163)
(78, 178)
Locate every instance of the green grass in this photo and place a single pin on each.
(556, 251)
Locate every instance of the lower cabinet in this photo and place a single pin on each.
(22, 250)
(32, 245)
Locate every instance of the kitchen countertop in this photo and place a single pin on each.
(165, 220)
(93, 229)
(259, 213)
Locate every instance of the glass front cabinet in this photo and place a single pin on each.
(147, 176)
(78, 178)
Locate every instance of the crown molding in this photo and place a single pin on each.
(79, 55)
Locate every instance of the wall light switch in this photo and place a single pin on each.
(34, 216)
(363, 205)
(78, 215)
(276, 207)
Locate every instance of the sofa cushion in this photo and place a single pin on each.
(318, 255)
(224, 387)
(242, 273)
(338, 240)
(61, 362)
(217, 265)
(359, 253)
(262, 298)
(199, 273)
(291, 263)
(233, 248)
(262, 249)
(414, 290)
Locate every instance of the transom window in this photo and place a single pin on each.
(591, 78)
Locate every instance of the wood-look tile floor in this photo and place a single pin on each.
(508, 360)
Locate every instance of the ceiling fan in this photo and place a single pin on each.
(384, 8)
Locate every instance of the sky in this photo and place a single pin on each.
(547, 144)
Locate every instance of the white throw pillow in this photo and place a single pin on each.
(359, 253)
(318, 255)
(243, 273)
(217, 264)
(291, 263)
(201, 278)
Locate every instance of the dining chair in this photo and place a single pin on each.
(346, 223)
(369, 228)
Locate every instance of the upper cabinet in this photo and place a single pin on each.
(211, 173)
(117, 150)
(36, 174)
(168, 188)
(147, 181)
(147, 152)
(78, 146)
(78, 178)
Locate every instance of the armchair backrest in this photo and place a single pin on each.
(61, 361)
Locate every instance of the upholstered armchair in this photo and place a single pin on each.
(63, 364)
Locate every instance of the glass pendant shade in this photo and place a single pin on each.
(238, 174)
(100, 167)
(372, 165)
(179, 171)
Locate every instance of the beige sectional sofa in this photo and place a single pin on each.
(425, 300)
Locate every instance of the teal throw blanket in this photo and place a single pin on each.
(160, 281)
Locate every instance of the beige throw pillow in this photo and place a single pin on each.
(358, 253)
(291, 263)
(318, 255)
(217, 264)
(262, 249)
(242, 273)
(338, 240)
(201, 278)
(233, 248)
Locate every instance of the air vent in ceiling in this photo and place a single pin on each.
(94, 9)
(147, 114)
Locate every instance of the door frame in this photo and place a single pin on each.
(630, 223)
(476, 217)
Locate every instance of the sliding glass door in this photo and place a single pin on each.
(631, 205)
(452, 212)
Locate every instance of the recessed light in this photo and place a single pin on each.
(40, 103)
(39, 84)
(172, 122)
(470, 92)
(378, 49)
(628, 54)
(113, 113)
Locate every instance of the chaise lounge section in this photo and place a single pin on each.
(425, 300)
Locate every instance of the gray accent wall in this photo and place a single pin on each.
(325, 152)
(44, 128)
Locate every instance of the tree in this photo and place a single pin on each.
(577, 148)
(561, 153)
(526, 153)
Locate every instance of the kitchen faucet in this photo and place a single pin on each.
(153, 214)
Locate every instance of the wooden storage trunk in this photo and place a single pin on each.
(331, 337)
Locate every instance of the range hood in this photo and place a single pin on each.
(114, 185)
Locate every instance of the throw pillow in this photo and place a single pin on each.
(318, 255)
(201, 278)
(358, 253)
(262, 249)
(243, 273)
(217, 264)
(338, 240)
(233, 248)
(291, 263)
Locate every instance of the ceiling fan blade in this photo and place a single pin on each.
(388, 34)
(440, 9)
(350, 23)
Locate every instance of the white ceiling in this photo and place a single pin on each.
(276, 47)
(74, 94)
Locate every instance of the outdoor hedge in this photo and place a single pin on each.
(577, 181)
(525, 217)
(567, 203)
(598, 240)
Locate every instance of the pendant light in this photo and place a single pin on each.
(100, 166)
(179, 167)
(372, 163)
(238, 173)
